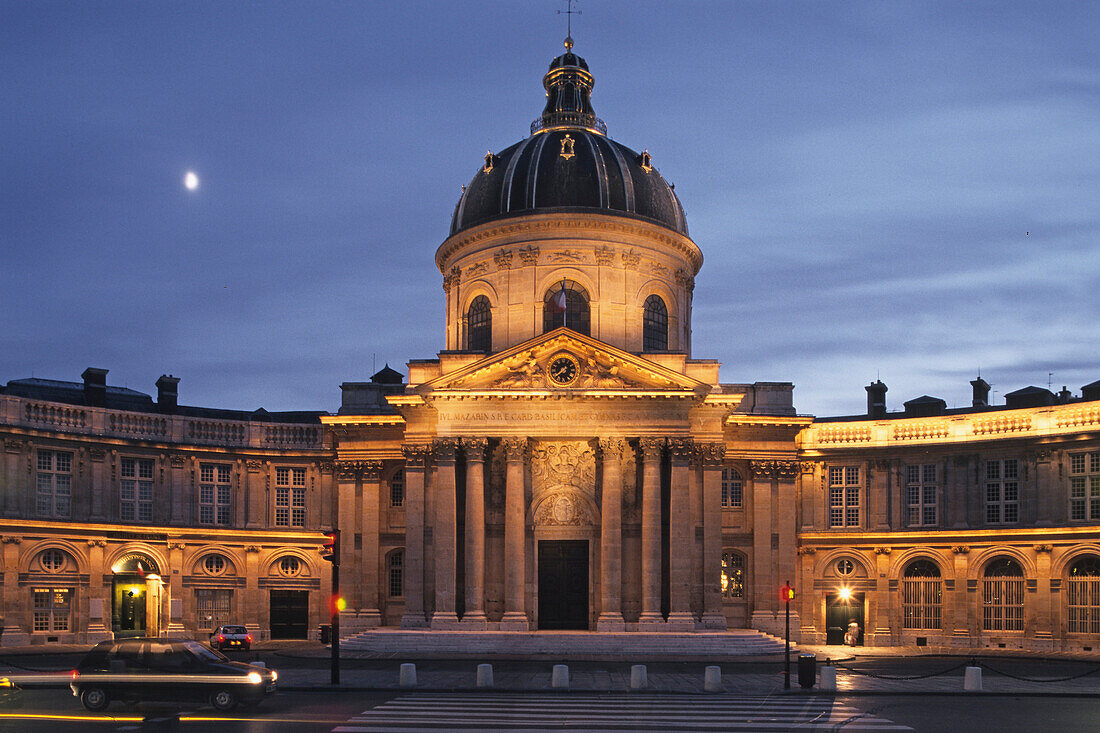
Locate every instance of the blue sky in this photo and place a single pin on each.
(880, 189)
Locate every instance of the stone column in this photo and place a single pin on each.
(611, 537)
(515, 560)
(255, 480)
(176, 479)
(445, 534)
(651, 619)
(764, 580)
(99, 600)
(1042, 620)
(97, 479)
(369, 612)
(346, 521)
(474, 448)
(680, 537)
(174, 589)
(712, 456)
(17, 600)
(416, 459)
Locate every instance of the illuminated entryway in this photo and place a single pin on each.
(841, 610)
(136, 596)
(563, 584)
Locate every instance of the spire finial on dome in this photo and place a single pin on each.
(569, 13)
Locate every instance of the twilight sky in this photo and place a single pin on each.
(900, 190)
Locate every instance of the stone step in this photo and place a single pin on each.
(737, 642)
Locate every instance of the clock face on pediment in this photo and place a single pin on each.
(564, 360)
(563, 369)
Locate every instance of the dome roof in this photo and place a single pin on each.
(568, 164)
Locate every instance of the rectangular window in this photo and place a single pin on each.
(51, 609)
(732, 489)
(1084, 486)
(214, 494)
(397, 489)
(214, 607)
(844, 499)
(733, 575)
(290, 497)
(397, 574)
(1002, 491)
(922, 603)
(53, 494)
(136, 490)
(921, 491)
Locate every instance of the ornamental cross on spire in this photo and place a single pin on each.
(569, 13)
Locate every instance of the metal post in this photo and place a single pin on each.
(787, 663)
(335, 610)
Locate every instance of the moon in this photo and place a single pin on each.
(191, 180)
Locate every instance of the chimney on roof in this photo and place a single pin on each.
(981, 392)
(876, 399)
(1064, 396)
(168, 393)
(95, 387)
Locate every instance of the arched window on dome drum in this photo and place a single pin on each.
(922, 596)
(655, 325)
(479, 325)
(1083, 596)
(1003, 596)
(575, 314)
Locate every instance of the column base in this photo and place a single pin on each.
(414, 621)
(14, 636)
(774, 623)
(444, 620)
(515, 621)
(714, 621)
(681, 621)
(610, 622)
(651, 621)
(475, 621)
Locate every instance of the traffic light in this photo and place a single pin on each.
(786, 594)
(337, 604)
(331, 548)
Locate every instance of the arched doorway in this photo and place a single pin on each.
(135, 596)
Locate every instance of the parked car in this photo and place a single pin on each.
(167, 670)
(10, 694)
(231, 637)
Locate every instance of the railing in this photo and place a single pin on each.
(210, 431)
(137, 425)
(57, 416)
(570, 119)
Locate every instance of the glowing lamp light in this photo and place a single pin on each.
(341, 603)
(845, 594)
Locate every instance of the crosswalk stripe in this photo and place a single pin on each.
(601, 713)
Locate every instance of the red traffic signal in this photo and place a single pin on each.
(786, 594)
(330, 550)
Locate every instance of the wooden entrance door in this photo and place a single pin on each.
(563, 584)
(289, 614)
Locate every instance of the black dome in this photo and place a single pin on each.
(568, 163)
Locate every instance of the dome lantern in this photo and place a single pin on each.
(568, 86)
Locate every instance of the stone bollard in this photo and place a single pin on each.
(484, 675)
(407, 677)
(560, 677)
(973, 680)
(639, 677)
(712, 679)
(828, 678)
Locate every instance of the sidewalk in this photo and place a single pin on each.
(298, 668)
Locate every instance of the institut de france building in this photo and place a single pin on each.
(565, 462)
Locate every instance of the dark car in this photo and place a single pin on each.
(167, 670)
(231, 637)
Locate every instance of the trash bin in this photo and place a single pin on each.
(326, 633)
(807, 670)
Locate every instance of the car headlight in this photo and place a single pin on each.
(5, 682)
(274, 675)
(255, 678)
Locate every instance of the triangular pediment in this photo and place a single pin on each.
(564, 360)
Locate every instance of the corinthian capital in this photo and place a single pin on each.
(416, 456)
(711, 454)
(372, 470)
(514, 448)
(612, 446)
(474, 448)
(651, 448)
(444, 449)
(681, 448)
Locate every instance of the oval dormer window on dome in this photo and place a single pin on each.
(655, 325)
(479, 325)
(566, 304)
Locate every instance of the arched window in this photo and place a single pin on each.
(922, 596)
(395, 567)
(397, 488)
(733, 575)
(1003, 596)
(655, 325)
(566, 304)
(1083, 596)
(479, 325)
(732, 489)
